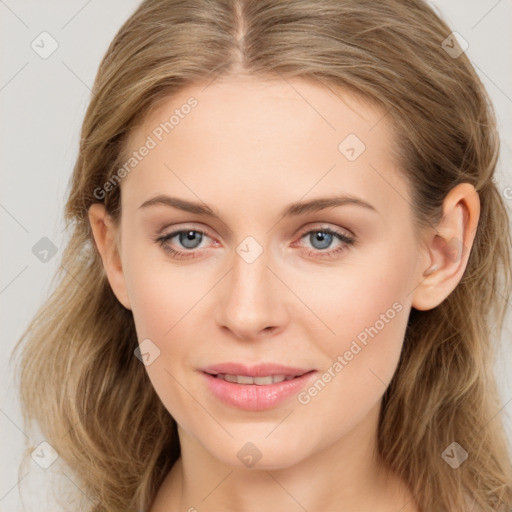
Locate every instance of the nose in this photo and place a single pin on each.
(252, 300)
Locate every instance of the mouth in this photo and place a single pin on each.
(255, 388)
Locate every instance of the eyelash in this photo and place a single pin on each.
(162, 241)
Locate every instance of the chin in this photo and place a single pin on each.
(257, 453)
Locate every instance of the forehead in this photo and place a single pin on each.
(253, 139)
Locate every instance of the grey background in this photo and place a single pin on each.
(42, 104)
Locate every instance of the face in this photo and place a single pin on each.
(320, 296)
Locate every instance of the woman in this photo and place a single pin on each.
(288, 251)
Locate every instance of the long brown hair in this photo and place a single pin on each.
(79, 378)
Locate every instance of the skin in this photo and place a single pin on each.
(249, 149)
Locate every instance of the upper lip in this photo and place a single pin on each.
(259, 370)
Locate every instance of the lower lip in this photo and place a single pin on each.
(252, 397)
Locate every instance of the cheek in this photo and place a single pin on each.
(362, 299)
(160, 302)
(366, 309)
(165, 301)
(357, 371)
(161, 292)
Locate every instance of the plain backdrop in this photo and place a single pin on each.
(43, 101)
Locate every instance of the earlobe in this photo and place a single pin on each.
(448, 248)
(105, 235)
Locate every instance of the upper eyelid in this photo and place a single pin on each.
(310, 226)
(343, 231)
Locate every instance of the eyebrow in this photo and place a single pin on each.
(292, 210)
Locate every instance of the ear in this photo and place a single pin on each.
(447, 250)
(106, 237)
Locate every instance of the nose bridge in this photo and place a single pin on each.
(251, 300)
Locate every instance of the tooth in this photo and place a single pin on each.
(263, 380)
(244, 379)
(259, 381)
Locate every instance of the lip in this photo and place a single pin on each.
(259, 370)
(253, 397)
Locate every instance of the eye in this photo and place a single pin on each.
(320, 238)
(190, 239)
